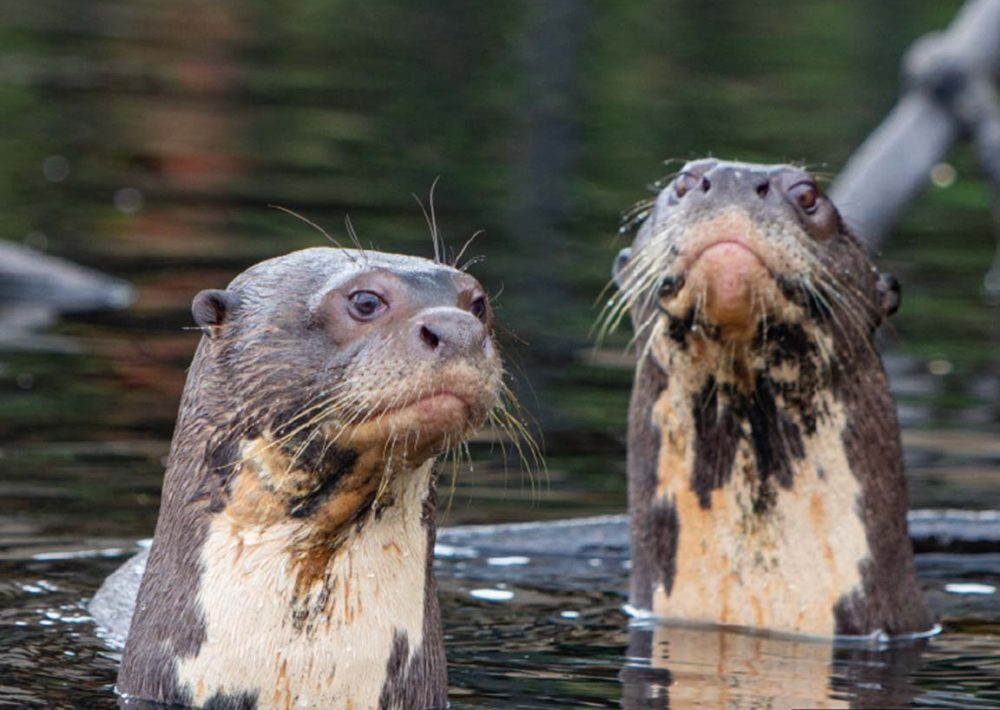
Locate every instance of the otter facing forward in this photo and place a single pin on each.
(766, 486)
(291, 565)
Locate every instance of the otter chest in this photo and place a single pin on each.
(331, 643)
(775, 548)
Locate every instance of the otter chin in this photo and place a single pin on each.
(291, 564)
(766, 486)
(728, 275)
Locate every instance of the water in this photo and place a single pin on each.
(147, 140)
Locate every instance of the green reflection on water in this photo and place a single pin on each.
(542, 123)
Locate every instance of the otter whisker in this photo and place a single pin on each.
(300, 451)
(656, 332)
(468, 243)
(851, 308)
(431, 220)
(353, 234)
(517, 434)
(638, 275)
(640, 331)
(279, 441)
(388, 450)
(451, 457)
(318, 228)
(497, 438)
(471, 262)
(838, 285)
(457, 453)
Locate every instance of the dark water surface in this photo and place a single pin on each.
(148, 139)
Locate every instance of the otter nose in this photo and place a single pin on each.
(449, 332)
(726, 183)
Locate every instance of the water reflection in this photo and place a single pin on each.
(675, 666)
(185, 138)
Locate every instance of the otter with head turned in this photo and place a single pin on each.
(291, 565)
(766, 486)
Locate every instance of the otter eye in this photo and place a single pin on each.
(684, 183)
(365, 305)
(478, 308)
(806, 195)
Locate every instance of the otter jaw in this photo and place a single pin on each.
(728, 276)
(441, 404)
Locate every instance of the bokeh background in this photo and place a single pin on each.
(148, 139)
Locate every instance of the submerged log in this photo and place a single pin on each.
(603, 538)
(29, 276)
(35, 289)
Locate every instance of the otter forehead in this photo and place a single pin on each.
(313, 272)
(436, 283)
(705, 164)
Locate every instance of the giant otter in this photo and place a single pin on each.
(291, 565)
(766, 485)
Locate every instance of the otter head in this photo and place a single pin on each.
(734, 252)
(330, 371)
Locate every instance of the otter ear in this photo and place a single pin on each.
(889, 294)
(212, 307)
(619, 265)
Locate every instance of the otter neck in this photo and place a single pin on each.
(340, 600)
(746, 407)
(749, 514)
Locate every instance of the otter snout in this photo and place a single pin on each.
(728, 276)
(447, 333)
(726, 183)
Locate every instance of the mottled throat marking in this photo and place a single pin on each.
(753, 477)
(337, 586)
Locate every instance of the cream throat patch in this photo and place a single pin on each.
(257, 643)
